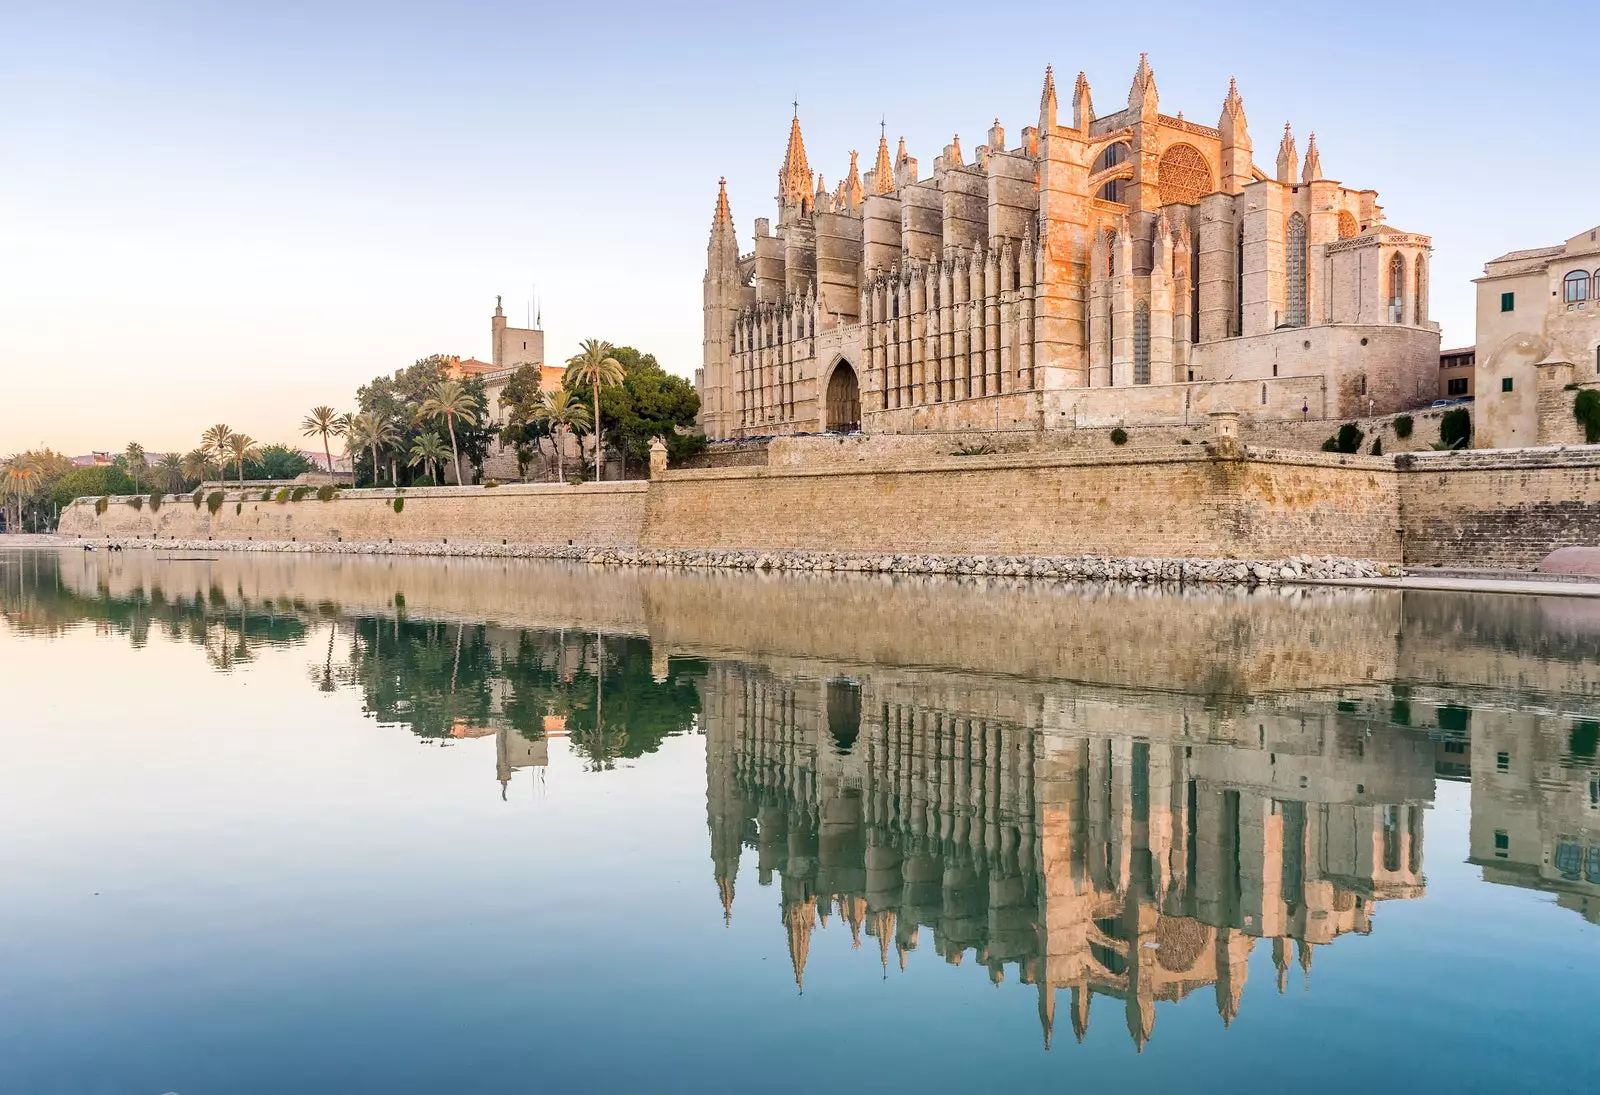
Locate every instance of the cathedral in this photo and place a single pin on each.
(1126, 268)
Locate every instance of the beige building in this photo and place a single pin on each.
(1456, 372)
(1104, 268)
(1538, 331)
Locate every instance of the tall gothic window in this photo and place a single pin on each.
(1397, 288)
(1238, 282)
(1111, 253)
(1194, 295)
(1295, 269)
(1141, 343)
(1113, 155)
(1575, 287)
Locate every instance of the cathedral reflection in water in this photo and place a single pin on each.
(1111, 853)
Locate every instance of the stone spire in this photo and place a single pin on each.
(723, 214)
(1047, 102)
(1080, 1011)
(1313, 170)
(801, 917)
(1142, 94)
(852, 184)
(1238, 167)
(1047, 1009)
(794, 177)
(883, 170)
(1232, 106)
(1082, 105)
(1288, 158)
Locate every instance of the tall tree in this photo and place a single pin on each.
(242, 447)
(196, 463)
(324, 422)
(428, 450)
(449, 401)
(134, 454)
(169, 472)
(593, 367)
(650, 402)
(564, 415)
(214, 443)
(369, 431)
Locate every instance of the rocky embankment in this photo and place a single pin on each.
(1087, 568)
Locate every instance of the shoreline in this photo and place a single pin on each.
(1300, 569)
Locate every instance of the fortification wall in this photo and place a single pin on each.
(1498, 507)
(1174, 502)
(608, 514)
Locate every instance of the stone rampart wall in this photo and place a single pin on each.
(1499, 507)
(594, 514)
(1173, 502)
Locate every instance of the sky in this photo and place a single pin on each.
(234, 212)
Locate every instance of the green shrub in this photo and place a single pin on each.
(299, 493)
(1119, 436)
(214, 501)
(156, 498)
(238, 508)
(137, 502)
(973, 450)
(487, 483)
(1586, 408)
(325, 492)
(266, 496)
(399, 503)
(1331, 445)
(1349, 438)
(282, 496)
(1402, 426)
(100, 504)
(1455, 428)
(1377, 447)
(198, 497)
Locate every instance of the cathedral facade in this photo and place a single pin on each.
(1122, 268)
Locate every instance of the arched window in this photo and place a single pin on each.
(1111, 253)
(1111, 157)
(1575, 286)
(1397, 288)
(1349, 227)
(1183, 175)
(1141, 343)
(1295, 269)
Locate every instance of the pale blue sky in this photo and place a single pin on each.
(233, 212)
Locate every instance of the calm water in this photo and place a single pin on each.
(319, 825)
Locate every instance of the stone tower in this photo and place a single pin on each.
(721, 304)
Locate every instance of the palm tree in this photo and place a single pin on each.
(20, 476)
(593, 367)
(428, 449)
(561, 409)
(369, 430)
(170, 472)
(449, 400)
(214, 443)
(134, 454)
(242, 447)
(325, 422)
(196, 463)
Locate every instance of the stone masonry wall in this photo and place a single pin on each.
(1498, 508)
(606, 514)
(1175, 502)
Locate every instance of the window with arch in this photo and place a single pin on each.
(1141, 343)
(1263, 395)
(1575, 286)
(1397, 288)
(1111, 156)
(1111, 253)
(1183, 175)
(1349, 227)
(1295, 270)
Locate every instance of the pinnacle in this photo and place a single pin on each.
(723, 214)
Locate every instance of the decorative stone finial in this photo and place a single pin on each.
(1047, 102)
(1313, 169)
(794, 178)
(1288, 158)
(883, 170)
(723, 214)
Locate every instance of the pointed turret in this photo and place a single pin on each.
(1313, 169)
(722, 216)
(1080, 1011)
(883, 170)
(800, 918)
(1047, 1010)
(1305, 962)
(1288, 158)
(1082, 105)
(1047, 102)
(1280, 960)
(1142, 94)
(725, 892)
(1238, 167)
(851, 189)
(794, 177)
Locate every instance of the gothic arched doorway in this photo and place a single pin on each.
(842, 413)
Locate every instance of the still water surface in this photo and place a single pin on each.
(288, 823)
